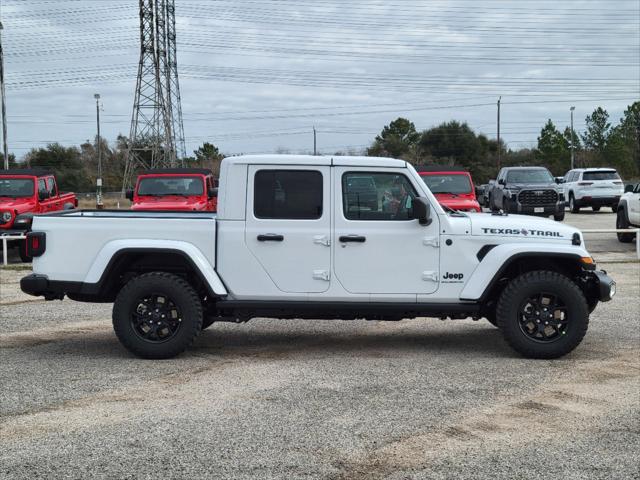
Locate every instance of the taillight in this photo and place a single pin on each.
(584, 184)
(36, 243)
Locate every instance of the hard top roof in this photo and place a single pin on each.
(32, 172)
(526, 168)
(595, 169)
(172, 171)
(318, 160)
(440, 168)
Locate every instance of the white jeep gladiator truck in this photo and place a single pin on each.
(292, 239)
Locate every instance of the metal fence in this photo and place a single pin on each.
(5, 239)
(614, 230)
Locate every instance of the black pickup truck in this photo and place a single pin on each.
(527, 191)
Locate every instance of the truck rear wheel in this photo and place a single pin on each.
(157, 315)
(621, 224)
(543, 314)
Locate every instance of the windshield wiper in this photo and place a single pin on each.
(456, 213)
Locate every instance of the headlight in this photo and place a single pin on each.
(6, 217)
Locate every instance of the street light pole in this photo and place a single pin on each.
(573, 147)
(5, 148)
(99, 204)
(499, 159)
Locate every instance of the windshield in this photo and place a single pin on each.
(16, 187)
(537, 175)
(160, 186)
(454, 183)
(610, 175)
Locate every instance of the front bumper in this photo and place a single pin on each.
(603, 285)
(542, 210)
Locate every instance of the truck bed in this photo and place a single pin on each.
(80, 243)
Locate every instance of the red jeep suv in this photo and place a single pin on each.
(452, 187)
(175, 189)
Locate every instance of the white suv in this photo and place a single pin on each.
(592, 187)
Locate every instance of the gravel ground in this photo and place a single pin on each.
(325, 399)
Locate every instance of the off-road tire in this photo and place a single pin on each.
(559, 217)
(530, 283)
(622, 223)
(572, 204)
(595, 209)
(179, 292)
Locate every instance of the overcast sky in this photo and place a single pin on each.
(257, 75)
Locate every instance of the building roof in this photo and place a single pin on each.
(317, 160)
(32, 172)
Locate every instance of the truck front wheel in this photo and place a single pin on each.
(543, 314)
(157, 315)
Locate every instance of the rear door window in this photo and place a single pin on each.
(52, 188)
(288, 194)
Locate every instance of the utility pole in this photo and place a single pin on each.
(499, 148)
(315, 151)
(156, 124)
(5, 148)
(99, 204)
(573, 147)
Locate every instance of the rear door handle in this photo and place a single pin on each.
(270, 237)
(352, 239)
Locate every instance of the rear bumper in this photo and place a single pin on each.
(590, 201)
(40, 286)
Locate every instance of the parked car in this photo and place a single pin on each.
(593, 187)
(175, 189)
(628, 214)
(528, 191)
(25, 193)
(481, 194)
(361, 192)
(286, 244)
(452, 187)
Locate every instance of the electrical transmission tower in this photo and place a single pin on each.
(156, 138)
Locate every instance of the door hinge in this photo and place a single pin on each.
(430, 276)
(322, 240)
(321, 275)
(431, 241)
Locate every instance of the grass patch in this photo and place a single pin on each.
(20, 267)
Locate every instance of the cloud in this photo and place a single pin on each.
(285, 66)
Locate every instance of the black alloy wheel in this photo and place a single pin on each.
(156, 318)
(544, 317)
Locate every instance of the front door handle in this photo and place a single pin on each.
(270, 237)
(352, 239)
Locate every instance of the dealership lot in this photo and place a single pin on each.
(330, 399)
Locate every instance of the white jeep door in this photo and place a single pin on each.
(288, 224)
(377, 248)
